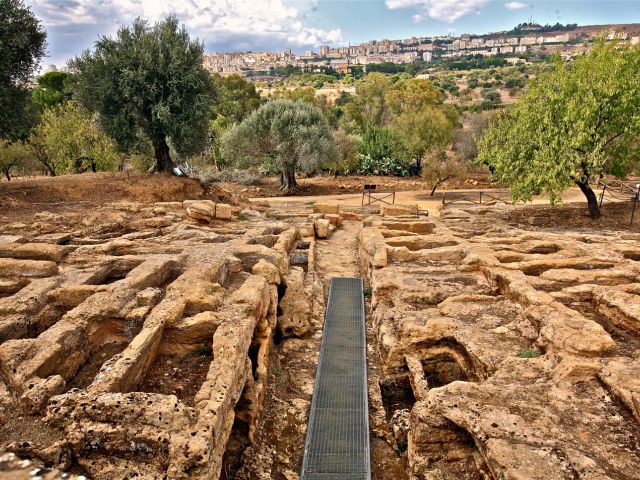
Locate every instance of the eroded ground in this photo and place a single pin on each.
(507, 353)
(180, 339)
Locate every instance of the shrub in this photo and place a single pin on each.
(380, 153)
(243, 177)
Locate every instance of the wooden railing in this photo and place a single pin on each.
(621, 192)
(479, 197)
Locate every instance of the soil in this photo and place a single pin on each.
(332, 185)
(181, 376)
(575, 217)
(89, 370)
(22, 198)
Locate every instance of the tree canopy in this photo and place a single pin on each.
(149, 81)
(22, 45)
(53, 88)
(70, 140)
(283, 135)
(578, 122)
(237, 97)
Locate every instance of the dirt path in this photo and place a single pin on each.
(420, 197)
(338, 255)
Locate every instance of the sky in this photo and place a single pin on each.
(272, 25)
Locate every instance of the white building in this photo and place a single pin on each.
(427, 56)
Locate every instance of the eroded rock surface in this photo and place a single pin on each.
(515, 352)
(135, 342)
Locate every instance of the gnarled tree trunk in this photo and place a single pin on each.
(439, 182)
(592, 200)
(288, 182)
(163, 159)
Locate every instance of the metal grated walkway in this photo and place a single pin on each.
(337, 445)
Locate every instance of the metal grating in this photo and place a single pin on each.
(337, 445)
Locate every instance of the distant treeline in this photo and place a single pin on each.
(525, 28)
(476, 61)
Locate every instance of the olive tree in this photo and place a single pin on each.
(22, 45)
(578, 122)
(149, 82)
(286, 135)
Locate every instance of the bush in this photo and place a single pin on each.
(243, 177)
(382, 166)
(348, 159)
(141, 163)
(380, 153)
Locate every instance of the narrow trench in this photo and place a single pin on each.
(281, 431)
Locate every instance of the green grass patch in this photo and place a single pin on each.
(310, 203)
(367, 291)
(196, 356)
(243, 218)
(529, 354)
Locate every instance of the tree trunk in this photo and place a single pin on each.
(438, 183)
(283, 184)
(290, 186)
(6, 174)
(163, 159)
(592, 201)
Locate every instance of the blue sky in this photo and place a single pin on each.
(231, 25)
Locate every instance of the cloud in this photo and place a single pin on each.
(222, 24)
(515, 5)
(445, 10)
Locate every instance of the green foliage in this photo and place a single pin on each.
(440, 167)
(368, 107)
(424, 131)
(303, 94)
(490, 95)
(558, 27)
(465, 142)
(348, 158)
(529, 354)
(236, 97)
(22, 45)
(12, 154)
(53, 88)
(577, 122)
(381, 153)
(367, 292)
(150, 82)
(73, 142)
(411, 96)
(284, 135)
(479, 63)
(386, 67)
(513, 82)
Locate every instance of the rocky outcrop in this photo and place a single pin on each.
(518, 348)
(145, 353)
(295, 309)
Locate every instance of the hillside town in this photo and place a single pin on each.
(530, 38)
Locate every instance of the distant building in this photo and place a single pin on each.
(427, 56)
(324, 50)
